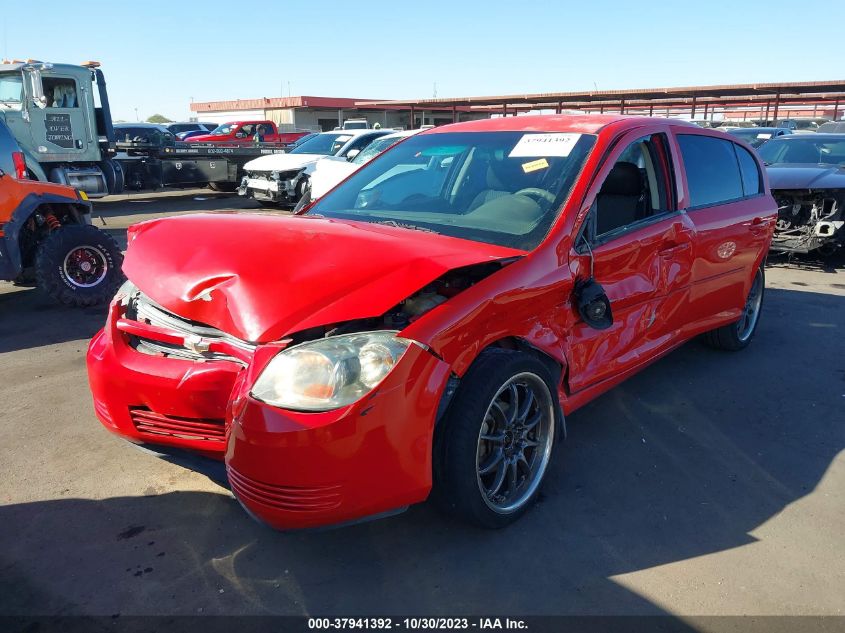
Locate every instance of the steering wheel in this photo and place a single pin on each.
(542, 194)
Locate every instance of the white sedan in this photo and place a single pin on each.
(328, 173)
(280, 179)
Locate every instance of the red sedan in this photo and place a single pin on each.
(430, 322)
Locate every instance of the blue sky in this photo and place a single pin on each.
(157, 55)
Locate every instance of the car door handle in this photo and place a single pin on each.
(757, 225)
(673, 248)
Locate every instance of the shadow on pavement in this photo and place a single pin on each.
(684, 459)
(31, 319)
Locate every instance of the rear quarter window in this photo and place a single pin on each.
(712, 170)
(752, 183)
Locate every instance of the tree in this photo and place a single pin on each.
(158, 118)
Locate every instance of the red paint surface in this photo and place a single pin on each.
(272, 276)
(268, 276)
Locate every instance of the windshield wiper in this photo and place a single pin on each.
(402, 225)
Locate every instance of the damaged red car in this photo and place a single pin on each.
(429, 324)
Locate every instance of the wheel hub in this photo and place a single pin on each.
(515, 442)
(85, 266)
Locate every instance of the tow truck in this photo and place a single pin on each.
(60, 116)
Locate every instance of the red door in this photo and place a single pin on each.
(732, 215)
(642, 248)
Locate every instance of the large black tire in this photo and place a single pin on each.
(227, 187)
(738, 335)
(79, 265)
(459, 485)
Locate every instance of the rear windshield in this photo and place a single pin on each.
(804, 149)
(503, 188)
(226, 128)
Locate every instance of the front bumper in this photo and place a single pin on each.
(156, 400)
(288, 469)
(298, 470)
(267, 189)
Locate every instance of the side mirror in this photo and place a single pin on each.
(593, 304)
(352, 153)
(240, 135)
(2, 173)
(36, 89)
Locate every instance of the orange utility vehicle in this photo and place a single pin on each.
(46, 236)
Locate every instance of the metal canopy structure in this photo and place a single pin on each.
(769, 95)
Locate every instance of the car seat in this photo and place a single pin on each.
(621, 199)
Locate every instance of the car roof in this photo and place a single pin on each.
(582, 123)
(402, 133)
(353, 132)
(752, 130)
(157, 126)
(824, 136)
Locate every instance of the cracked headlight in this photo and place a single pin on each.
(329, 373)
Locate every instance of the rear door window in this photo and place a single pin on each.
(713, 174)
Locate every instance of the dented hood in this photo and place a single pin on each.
(262, 277)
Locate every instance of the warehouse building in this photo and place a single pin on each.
(326, 113)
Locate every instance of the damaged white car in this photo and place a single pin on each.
(280, 179)
(328, 173)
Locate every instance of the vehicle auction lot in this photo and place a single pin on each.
(710, 483)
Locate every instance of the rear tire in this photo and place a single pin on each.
(79, 265)
(493, 447)
(736, 336)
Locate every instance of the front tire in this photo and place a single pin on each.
(495, 443)
(736, 336)
(79, 265)
(224, 187)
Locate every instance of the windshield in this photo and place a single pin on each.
(503, 188)
(375, 148)
(226, 128)
(11, 88)
(804, 149)
(325, 144)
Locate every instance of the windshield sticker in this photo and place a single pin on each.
(544, 145)
(534, 165)
(764, 136)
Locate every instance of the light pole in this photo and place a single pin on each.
(136, 115)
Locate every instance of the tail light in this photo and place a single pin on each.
(20, 165)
